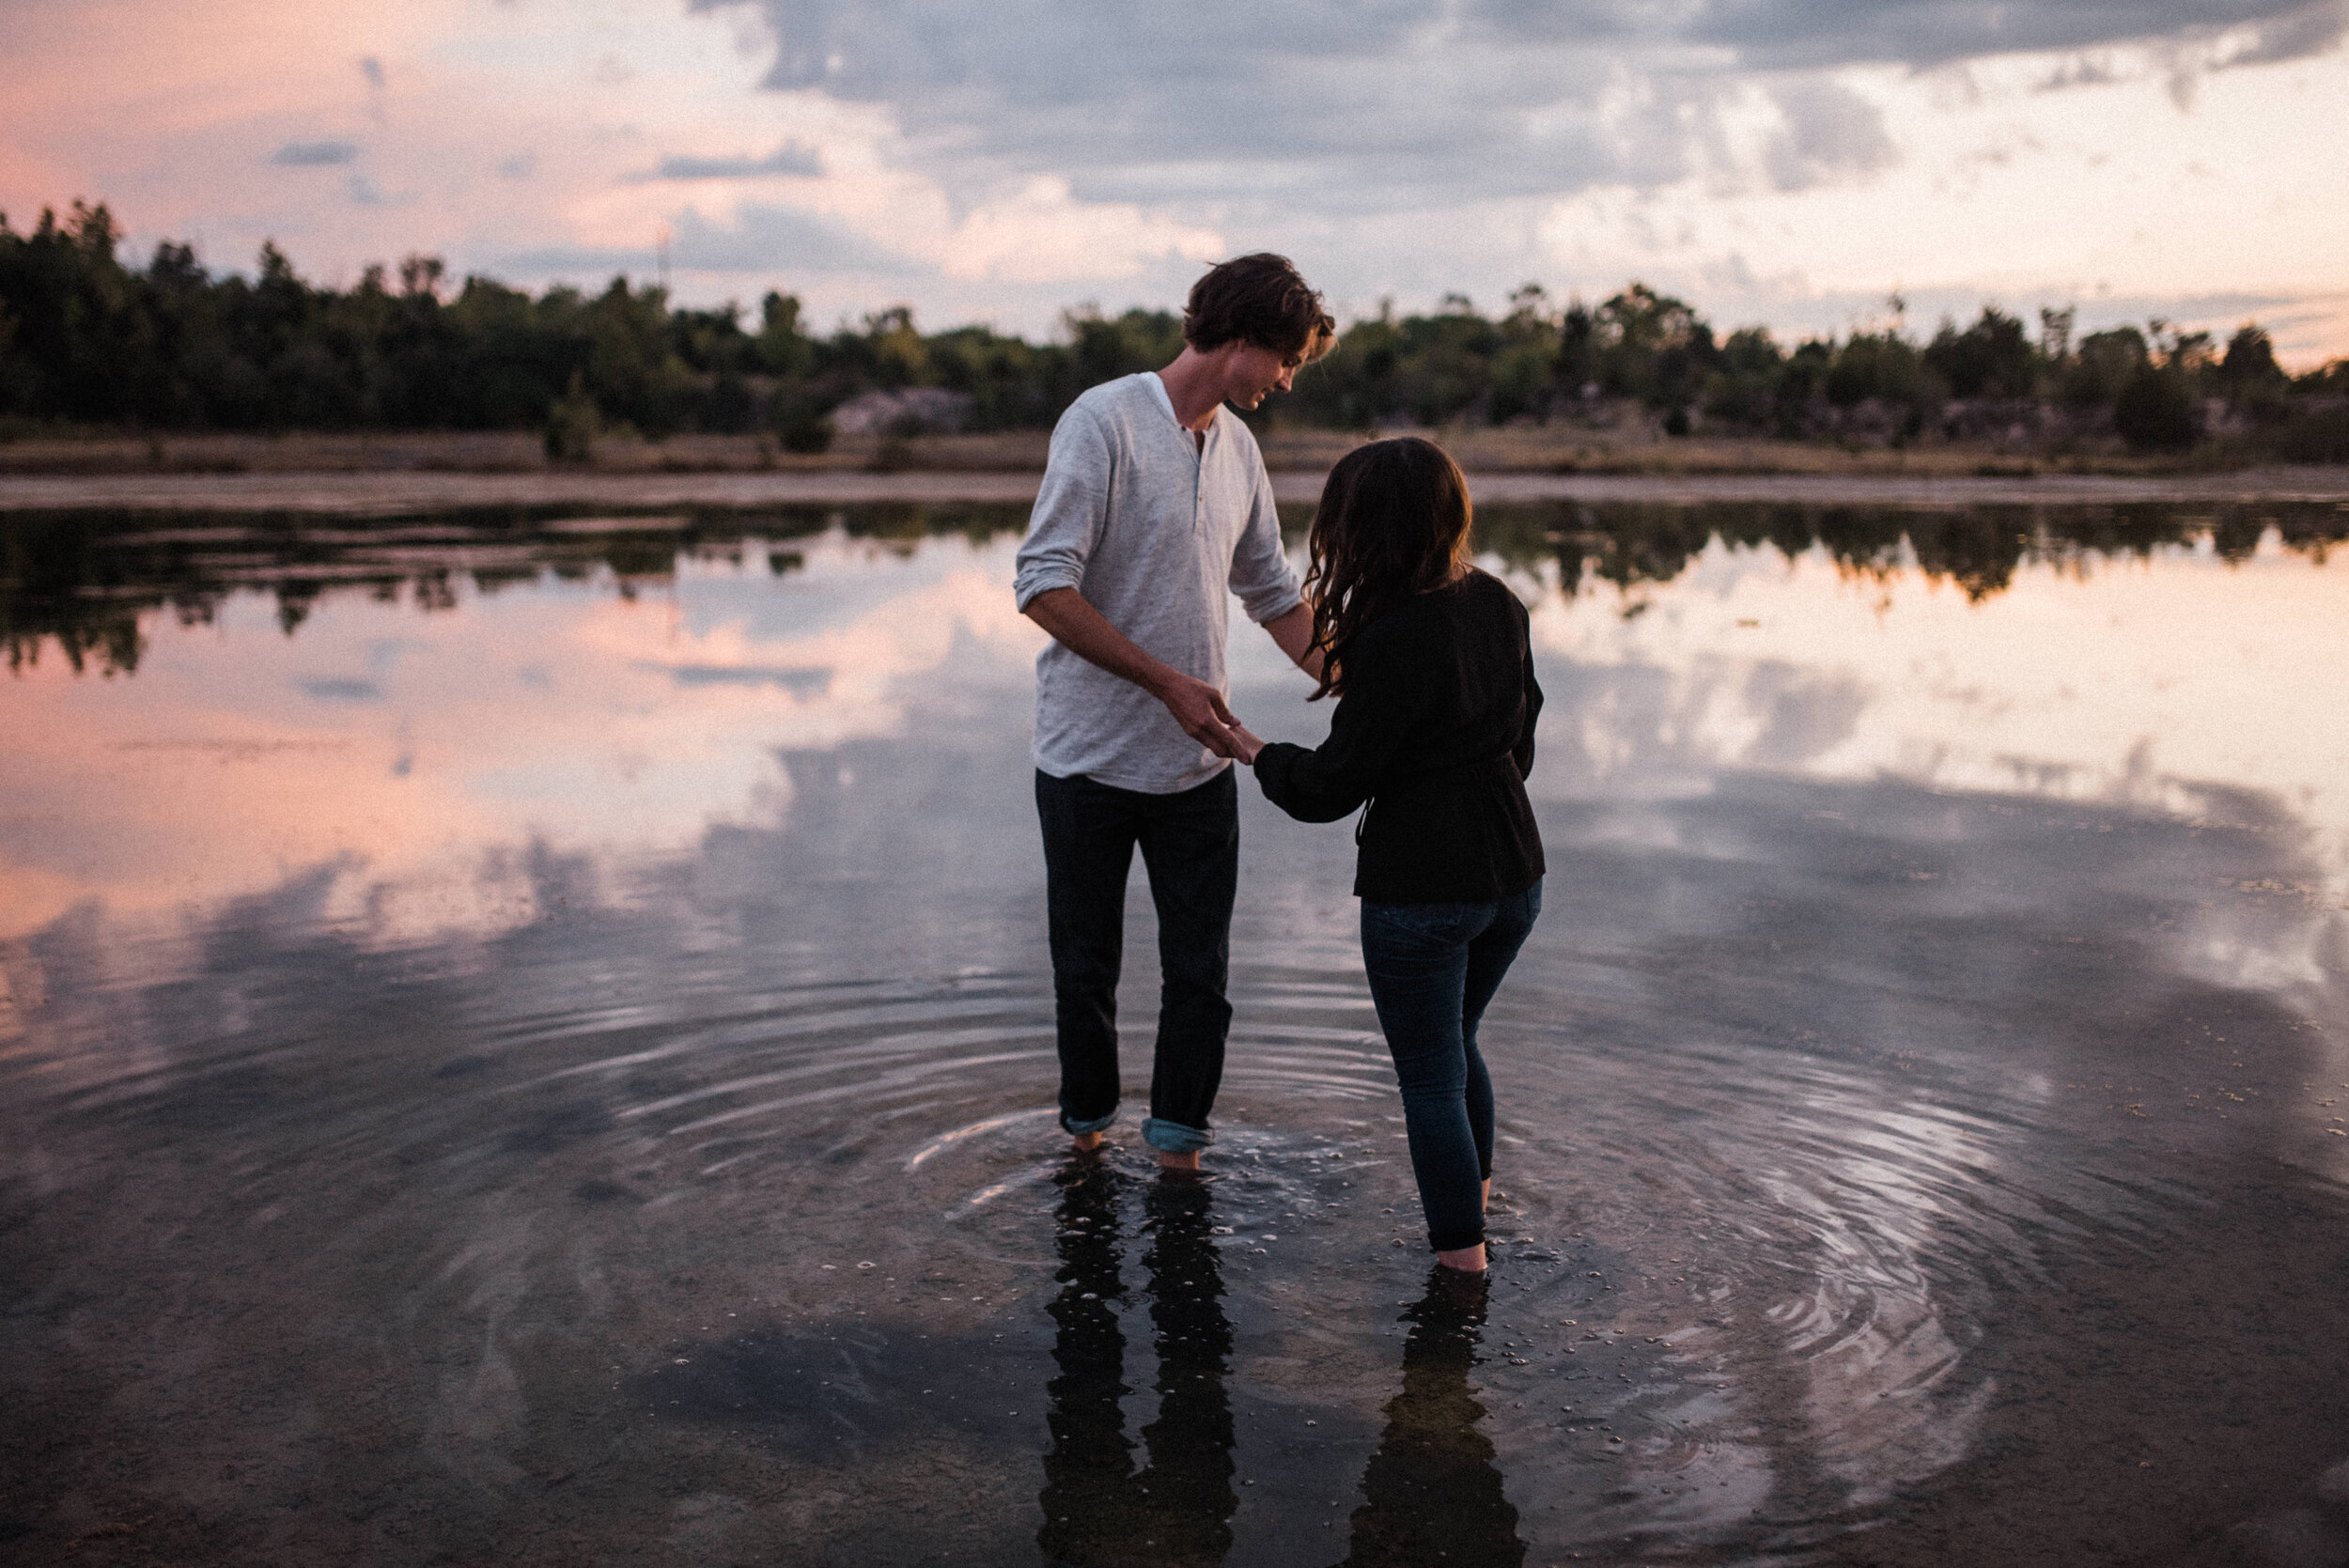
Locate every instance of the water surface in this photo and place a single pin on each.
(528, 1039)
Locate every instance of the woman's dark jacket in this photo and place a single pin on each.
(1436, 730)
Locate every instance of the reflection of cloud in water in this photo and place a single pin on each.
(1935, 980)
(798, 682)
(2128, 684)
(1868, 1331)
(558, 714)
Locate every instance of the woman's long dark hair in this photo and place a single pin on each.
(1393, 522)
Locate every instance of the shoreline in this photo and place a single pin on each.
(1558, 447)
(394, 493)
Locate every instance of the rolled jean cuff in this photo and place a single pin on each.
(1172, 1136)
(1070, 1124)
(1451, 1241)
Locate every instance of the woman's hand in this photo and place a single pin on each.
(1244, 745)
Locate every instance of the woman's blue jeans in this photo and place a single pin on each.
(1433, 970)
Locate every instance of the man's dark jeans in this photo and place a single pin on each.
(1190, 843)
(1433, 970)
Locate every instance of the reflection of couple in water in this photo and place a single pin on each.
(1156, 505)
(1430, 1491)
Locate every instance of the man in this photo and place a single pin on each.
(1155, 503)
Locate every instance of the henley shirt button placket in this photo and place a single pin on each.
(1199, 483)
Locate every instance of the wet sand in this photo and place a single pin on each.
(406, 493)
(1628, 447)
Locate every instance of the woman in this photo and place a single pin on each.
(1433, 670)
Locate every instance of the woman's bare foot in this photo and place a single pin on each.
(1187, 1160)
(1464, 1260)
(1086, 1143)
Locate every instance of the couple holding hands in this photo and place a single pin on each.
(1155, 506)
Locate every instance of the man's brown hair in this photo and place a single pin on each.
(1258, 298)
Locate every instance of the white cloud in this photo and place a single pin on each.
(1830, 132)
(1041, 234)
(1002, 167)
(1389, 101)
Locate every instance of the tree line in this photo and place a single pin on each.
(87, 339)
(88, 585)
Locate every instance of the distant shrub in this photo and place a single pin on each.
(1883, 365)
(802, 424)
(572, 425)
(2153, 413)
(2106, 363)
(2316, 436)
(1990, 359)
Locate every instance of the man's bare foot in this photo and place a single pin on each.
(1464, 1260)
(1187, 1160)
(1086, 1143)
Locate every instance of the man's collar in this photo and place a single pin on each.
(1158, 385)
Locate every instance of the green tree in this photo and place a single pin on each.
(890, 351)
(1653, 348)
(2250, 367)
(1525, 364)
(1990, 359)
(1578, 363)
(633, 373)
(2106, 362)
(85, 338)
(1883, 365)
(1743, 389)
(1103, 347)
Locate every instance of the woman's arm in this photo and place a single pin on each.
(1383, 701)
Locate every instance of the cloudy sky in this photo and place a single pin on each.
(1793, 163)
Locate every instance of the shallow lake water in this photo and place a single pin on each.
(526, 1039)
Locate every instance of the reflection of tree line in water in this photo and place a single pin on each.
(1977, 547)
(84, 580)
(1431, 1491)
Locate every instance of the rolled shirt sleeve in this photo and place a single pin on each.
(1070, 509)
(1261, 574)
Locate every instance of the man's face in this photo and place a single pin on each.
(1252, 372)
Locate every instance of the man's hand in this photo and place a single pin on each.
(1200, 710)
(1086, 632)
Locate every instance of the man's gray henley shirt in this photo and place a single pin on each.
(1151, 529)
